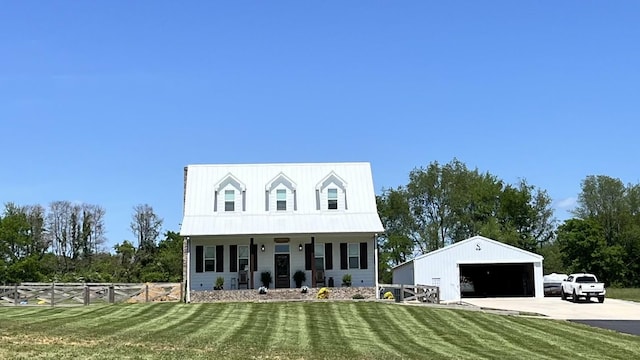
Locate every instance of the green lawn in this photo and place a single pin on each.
(632, 294)
(296, 330)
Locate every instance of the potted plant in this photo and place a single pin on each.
(219, 283)
(346, 280)
(299, 277)
(265, 278)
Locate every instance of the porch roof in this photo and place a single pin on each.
(248, 224)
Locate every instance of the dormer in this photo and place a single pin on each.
(230, 195)
(331, 193)
(280, 194)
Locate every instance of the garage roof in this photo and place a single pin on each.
(480, 249)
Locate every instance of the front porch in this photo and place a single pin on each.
(336, 293)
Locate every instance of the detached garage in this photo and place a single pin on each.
(476, 267)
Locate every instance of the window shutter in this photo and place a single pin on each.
(233, 258)
(344, 259)
(199, 258)
(363, 255)
(254, 252)
(328, 256)
(307, 256)
(220, 258)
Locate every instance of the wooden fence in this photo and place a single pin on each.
(421, 293)
(74, 294)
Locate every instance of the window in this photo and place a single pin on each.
(229, 200)
(210, 258)
(243, 257)
(354, 256)
(281, 199)
(319, 256)
(332, 196)
(281, 248)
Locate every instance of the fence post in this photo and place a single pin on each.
(86, 295)
(53, 295)
(181, 292)
(112, 295)
(146, 293)
(402, 292)
(16, 297)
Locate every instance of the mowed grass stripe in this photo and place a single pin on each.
(617, 345)
(585, 337)
(502, 333)
(444, 337)
(393, 333)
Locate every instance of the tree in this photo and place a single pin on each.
(397, 243)
(145, 225)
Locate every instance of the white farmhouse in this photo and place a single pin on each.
(241, 220)
(475, 267)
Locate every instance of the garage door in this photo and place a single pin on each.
(496, 280)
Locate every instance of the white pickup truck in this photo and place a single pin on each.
(582, 285)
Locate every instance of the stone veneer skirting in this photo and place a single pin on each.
(335, 293)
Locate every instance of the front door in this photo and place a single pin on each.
(282, 271)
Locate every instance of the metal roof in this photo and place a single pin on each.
(361, 215)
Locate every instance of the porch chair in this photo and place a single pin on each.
(243, 278)
(320, 278)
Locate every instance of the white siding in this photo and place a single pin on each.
(404, 274)
(359, 277)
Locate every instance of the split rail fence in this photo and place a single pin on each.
(78, 294)
(421, 293)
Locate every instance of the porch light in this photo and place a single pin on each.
(262, 248)
(300, 247)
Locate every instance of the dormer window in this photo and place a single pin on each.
(332, 199)
(281, 199)
(331, 193)
(280, 194)
(229, 200)
(230, 195)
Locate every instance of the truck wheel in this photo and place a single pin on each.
(575, 297)
(563, 296)
(600, 299)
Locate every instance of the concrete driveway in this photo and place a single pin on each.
(555, 308)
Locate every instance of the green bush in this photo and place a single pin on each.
(219, 283)
(357, 296)
(265, 278)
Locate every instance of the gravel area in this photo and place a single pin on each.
(335, 293)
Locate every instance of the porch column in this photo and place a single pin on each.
(251, 257)
(313, 262)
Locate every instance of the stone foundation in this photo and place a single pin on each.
(335, 293)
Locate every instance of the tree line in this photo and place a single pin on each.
(65, 243)
(445, 203)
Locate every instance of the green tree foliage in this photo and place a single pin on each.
(612, 208)
(443, 204)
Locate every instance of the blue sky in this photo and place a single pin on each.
(105, 102)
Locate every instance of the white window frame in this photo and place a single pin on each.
(241, 257)
(232, 202)
(332, 200)
(350, 255)
(212, 258)
(318, 252)
(278, 200)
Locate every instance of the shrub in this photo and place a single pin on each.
(323, 293)
(299, 277)
(219, 283)
(262, 290)
(357, 296)
(304, 289)
(388, 295)
(346, 280)
(265, 278)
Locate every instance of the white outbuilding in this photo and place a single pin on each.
(476, 267)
